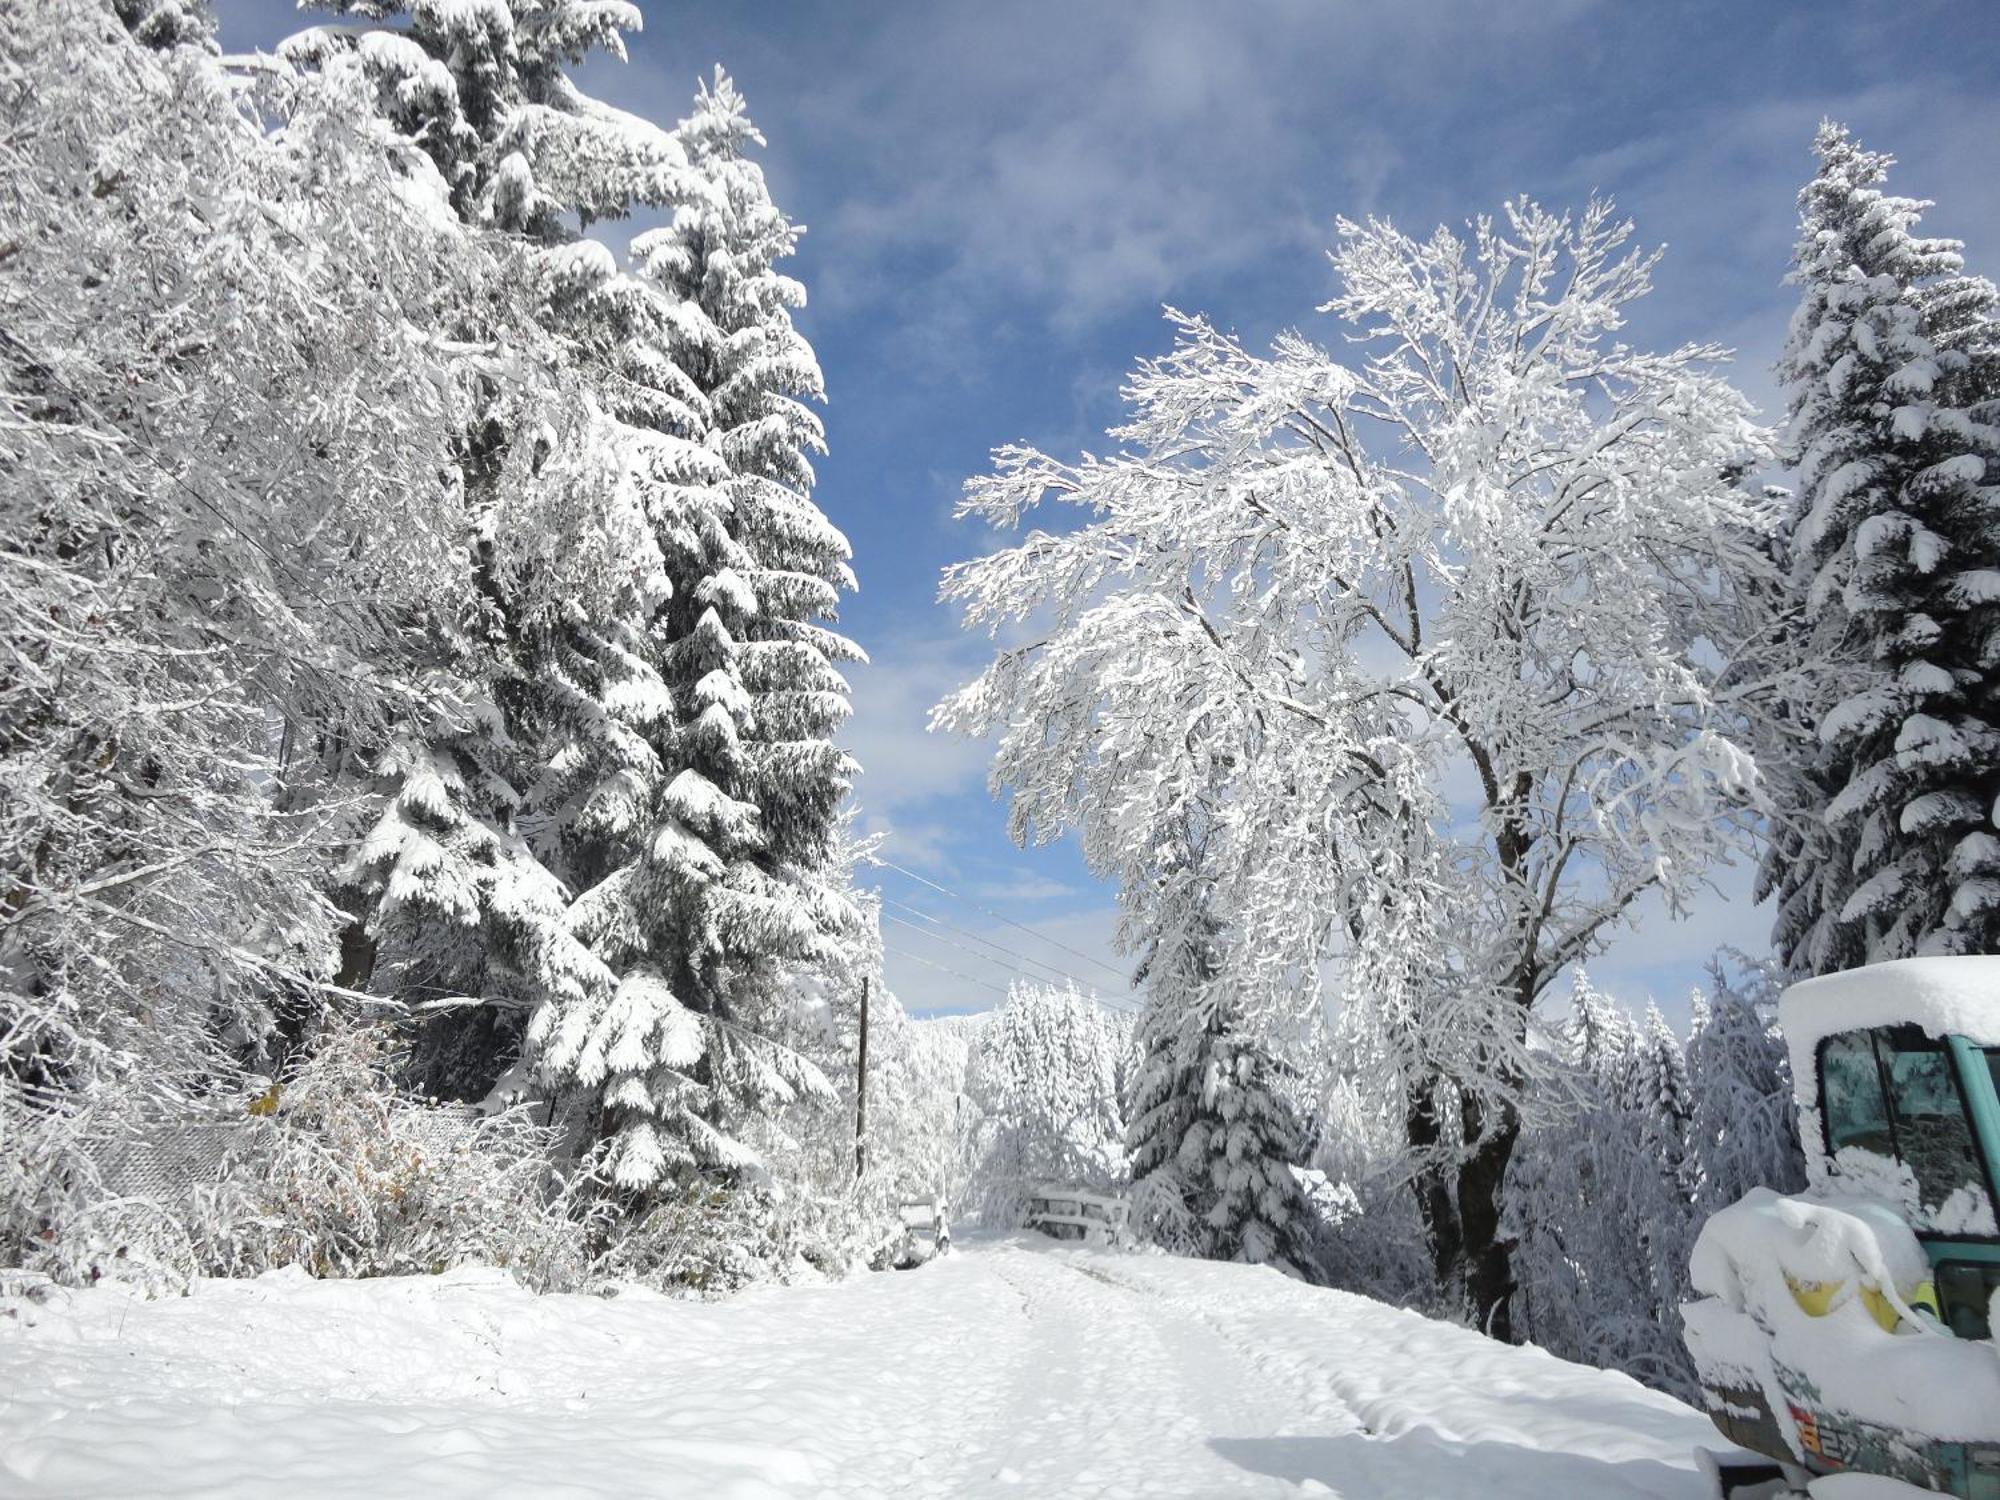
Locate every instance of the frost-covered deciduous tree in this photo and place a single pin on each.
(1596, 1197)
(1435, 636)
(1743, 1130)
(1606, 1198)
(1886, 844)
(229, 510)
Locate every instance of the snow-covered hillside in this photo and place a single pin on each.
(1009, 1369)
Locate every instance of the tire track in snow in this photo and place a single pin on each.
(1130, 1393)
(1322, 1396)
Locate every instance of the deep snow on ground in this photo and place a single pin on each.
(1011, 1368)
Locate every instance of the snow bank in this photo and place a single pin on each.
(1754, 1260)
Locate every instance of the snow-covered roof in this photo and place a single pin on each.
(1942, 995)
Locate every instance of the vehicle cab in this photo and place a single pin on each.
(1896, 1070)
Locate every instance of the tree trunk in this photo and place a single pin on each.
(1489, 1259)
(1432, 1183)
(1460, 1206)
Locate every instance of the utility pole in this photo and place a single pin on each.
(861, 1091)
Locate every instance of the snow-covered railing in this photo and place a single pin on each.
(1067, 1213)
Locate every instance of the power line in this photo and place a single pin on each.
(930, 963)
(966, 932)
(876, 859)
(1108, 1002)
(1005, 963)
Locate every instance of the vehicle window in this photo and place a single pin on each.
(1856, 1114)
(1933, 1135)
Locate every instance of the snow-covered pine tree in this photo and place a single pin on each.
(552, 761)
(1893, 368)
(705, 914)
(1212, 1135)
(1659, 1089)
(1659, 1105)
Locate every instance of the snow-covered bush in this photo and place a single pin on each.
(703, 1240)
(334, 1169)
(51, 1185)
(349, 1176)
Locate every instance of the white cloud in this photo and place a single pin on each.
(1027, 887)
(1069, 160)
(906, 769)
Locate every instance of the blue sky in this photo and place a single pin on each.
(1001, 196)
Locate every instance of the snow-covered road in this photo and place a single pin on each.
(1009, 1369)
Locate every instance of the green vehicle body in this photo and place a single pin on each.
(1965, 1269)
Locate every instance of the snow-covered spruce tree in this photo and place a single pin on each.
(766, 565)
(1886, 843)
(166, 24)
(486, 91)
(1216, 1142)
(1503, 542)
(463, 888)
(1046, 1078)
(704, 907)
(833, 1207)
(1213, 1135)
(227, 508)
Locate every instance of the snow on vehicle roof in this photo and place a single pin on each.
(1942, 995)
